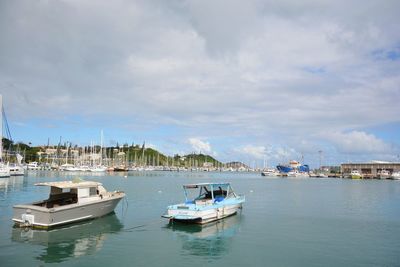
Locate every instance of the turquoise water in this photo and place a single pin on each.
(284, 222)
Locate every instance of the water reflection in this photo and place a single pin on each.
(13, 182)
(73, 241)
(4, 182)
(210, 240)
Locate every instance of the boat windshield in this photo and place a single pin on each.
(216, 192)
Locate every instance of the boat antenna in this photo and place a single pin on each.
(320, 158)
(1, 129)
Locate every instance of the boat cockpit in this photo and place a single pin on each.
(59, 197)
(67, 196)
(208, 193)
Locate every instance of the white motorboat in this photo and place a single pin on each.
(67, 167)
(69, 201)
(33, 165)
(212, 202)
(270, 172)
(16, 170)
(72, 169)
(98, 169)
(383, 174)
(83, 168)
(355, 174)
(395, 175)
(298, 174)
(4, 170)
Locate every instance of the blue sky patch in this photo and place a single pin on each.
(314, 70)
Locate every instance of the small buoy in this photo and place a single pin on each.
(159, 191)
(251, 191)
(126, 176)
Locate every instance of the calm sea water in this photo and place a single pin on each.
(284, 222)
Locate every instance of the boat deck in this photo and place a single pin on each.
(58, 200)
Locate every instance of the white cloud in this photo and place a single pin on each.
(267, 70)
(358, 142)
(258, 152)
(150, 145)
(199, 145)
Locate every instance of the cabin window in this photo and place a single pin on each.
(55, 190)
(93, 191)
(83, 192)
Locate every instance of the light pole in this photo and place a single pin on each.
(320, 159)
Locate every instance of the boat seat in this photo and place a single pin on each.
(219, 199)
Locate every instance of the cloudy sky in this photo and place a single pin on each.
(241, 80)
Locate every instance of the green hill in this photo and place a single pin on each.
(118, 155)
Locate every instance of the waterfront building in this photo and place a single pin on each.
(370, 169)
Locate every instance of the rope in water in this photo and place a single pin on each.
(129, 229)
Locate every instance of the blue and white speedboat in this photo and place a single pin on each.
(206, 202)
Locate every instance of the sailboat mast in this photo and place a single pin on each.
(1, 128)
(101, 148)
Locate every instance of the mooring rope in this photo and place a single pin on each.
(129, 229)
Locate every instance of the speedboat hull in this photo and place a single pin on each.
(42, 217)
(395, 176)
(4, 174)
(355, 174)
(214, 201)
(383, 175)
(192, 213)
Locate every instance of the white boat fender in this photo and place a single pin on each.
(28, 219)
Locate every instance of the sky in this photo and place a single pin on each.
(262, 82)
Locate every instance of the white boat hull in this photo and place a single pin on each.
(395, 176)
(17, 171)
(203, 216)
(4, 173)
(42, 217)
